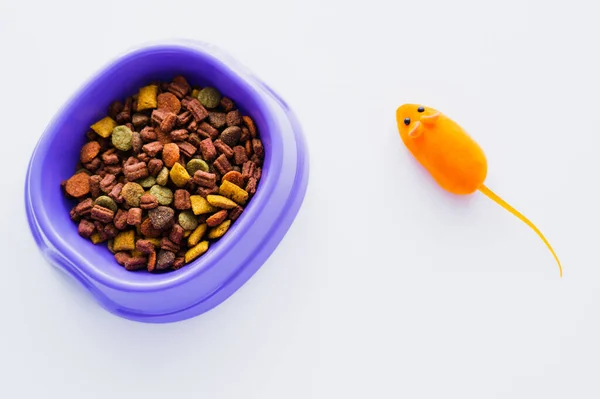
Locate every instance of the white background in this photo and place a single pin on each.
(385, 286)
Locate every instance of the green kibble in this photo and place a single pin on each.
(163, 194)
(195, 165)
(209, 97)
(163, 176)
(188, 220)
(132, 192)
(147, 182)
(106, 202)
(122, 138)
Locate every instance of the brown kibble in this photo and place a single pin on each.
(169, 102)
(186, 148)
(178, 263)
(151, 261)
(199, 113)
(120, 219)
(223, 148)
(169, 245)
(86, 228)
(227, 104)
(148, 134)
(168, 123)
(235, 213)
(122, 257)
(182, 200)
(78, 185)
(231, 136)
(102, 214)
(108, 183)
(136, 171)
(95, 185)
(184, 118)
(176, 234)
(248, 169)
(170, 154)
(251, 186)
(135, 263)
(208, 150)
(115, 193)
(179, 135)
(155, 166)
(257, 146)
(161, 217)
(217, 119)
(152, 148)
(148, 230)
(89, 151)
(234, 177)
(222, 165)
(164, 260)
(145, 246)
(250, 125)
(245, 135)
(217, 218)
(110, 230)
(134, 216)
(210, 131)
(234, 118)
(239, 155)
(148, 201)
(139, 120)
(205, 179)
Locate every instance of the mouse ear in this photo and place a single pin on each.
(416, 131)
(430, 119)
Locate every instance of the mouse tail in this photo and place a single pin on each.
(494, 197)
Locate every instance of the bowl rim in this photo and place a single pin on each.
(271, 171)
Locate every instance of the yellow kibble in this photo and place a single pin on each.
(147, 97)
(195, 93)
(219, 231)
(96, 238)
(187, 233)
(104, 126)
(136, 254)
(200, 205)
(233, 192)
(220, 202)
(124, 241)
(196, 251)
(179, 175)
(196, 236)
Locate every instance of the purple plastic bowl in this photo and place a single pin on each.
(231, 261)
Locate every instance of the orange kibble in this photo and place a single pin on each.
(78, 185)
(170, 154)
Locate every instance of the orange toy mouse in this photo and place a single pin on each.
(455, 161)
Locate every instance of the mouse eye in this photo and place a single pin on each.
(421, 109)
(407, 121)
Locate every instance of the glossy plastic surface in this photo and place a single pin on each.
(229, 262)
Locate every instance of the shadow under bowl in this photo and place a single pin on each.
(229, 262)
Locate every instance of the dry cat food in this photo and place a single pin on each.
(164, 174)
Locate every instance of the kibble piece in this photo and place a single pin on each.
(258, 148)
(120, 220)
(147, 97)
(219, 231)
(250, 125)
(217, 218)
(134, 216)
(164, 195)
(182, 200)
(152, 148)
(218, 201)
(169, 102)
(233, 192)
(227, 104)
(195, 237)
(122, 138)
(209, 97)
(132, 192)
(148, 230)
(86, 228)
(161, 217)
(148, 201)
(196, 164)
(170, 154)
(176, 234)
(205, 179)
(124, 241)
(222, 165)
(89, 151)
(196, 251)
(102, 214)
(217, 119)
(104, 127)
(106, 202)
(209, 152)
(155, 166)
(97, 238)
(163, 177)
(235, 213)
(234, 118)
(200, 205)
(135, 171)
(179, 175)
(187, 220)
(234, 177)
(147, 182)
(164, 259)
(78, 185)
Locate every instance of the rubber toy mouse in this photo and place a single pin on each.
(454, 160)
